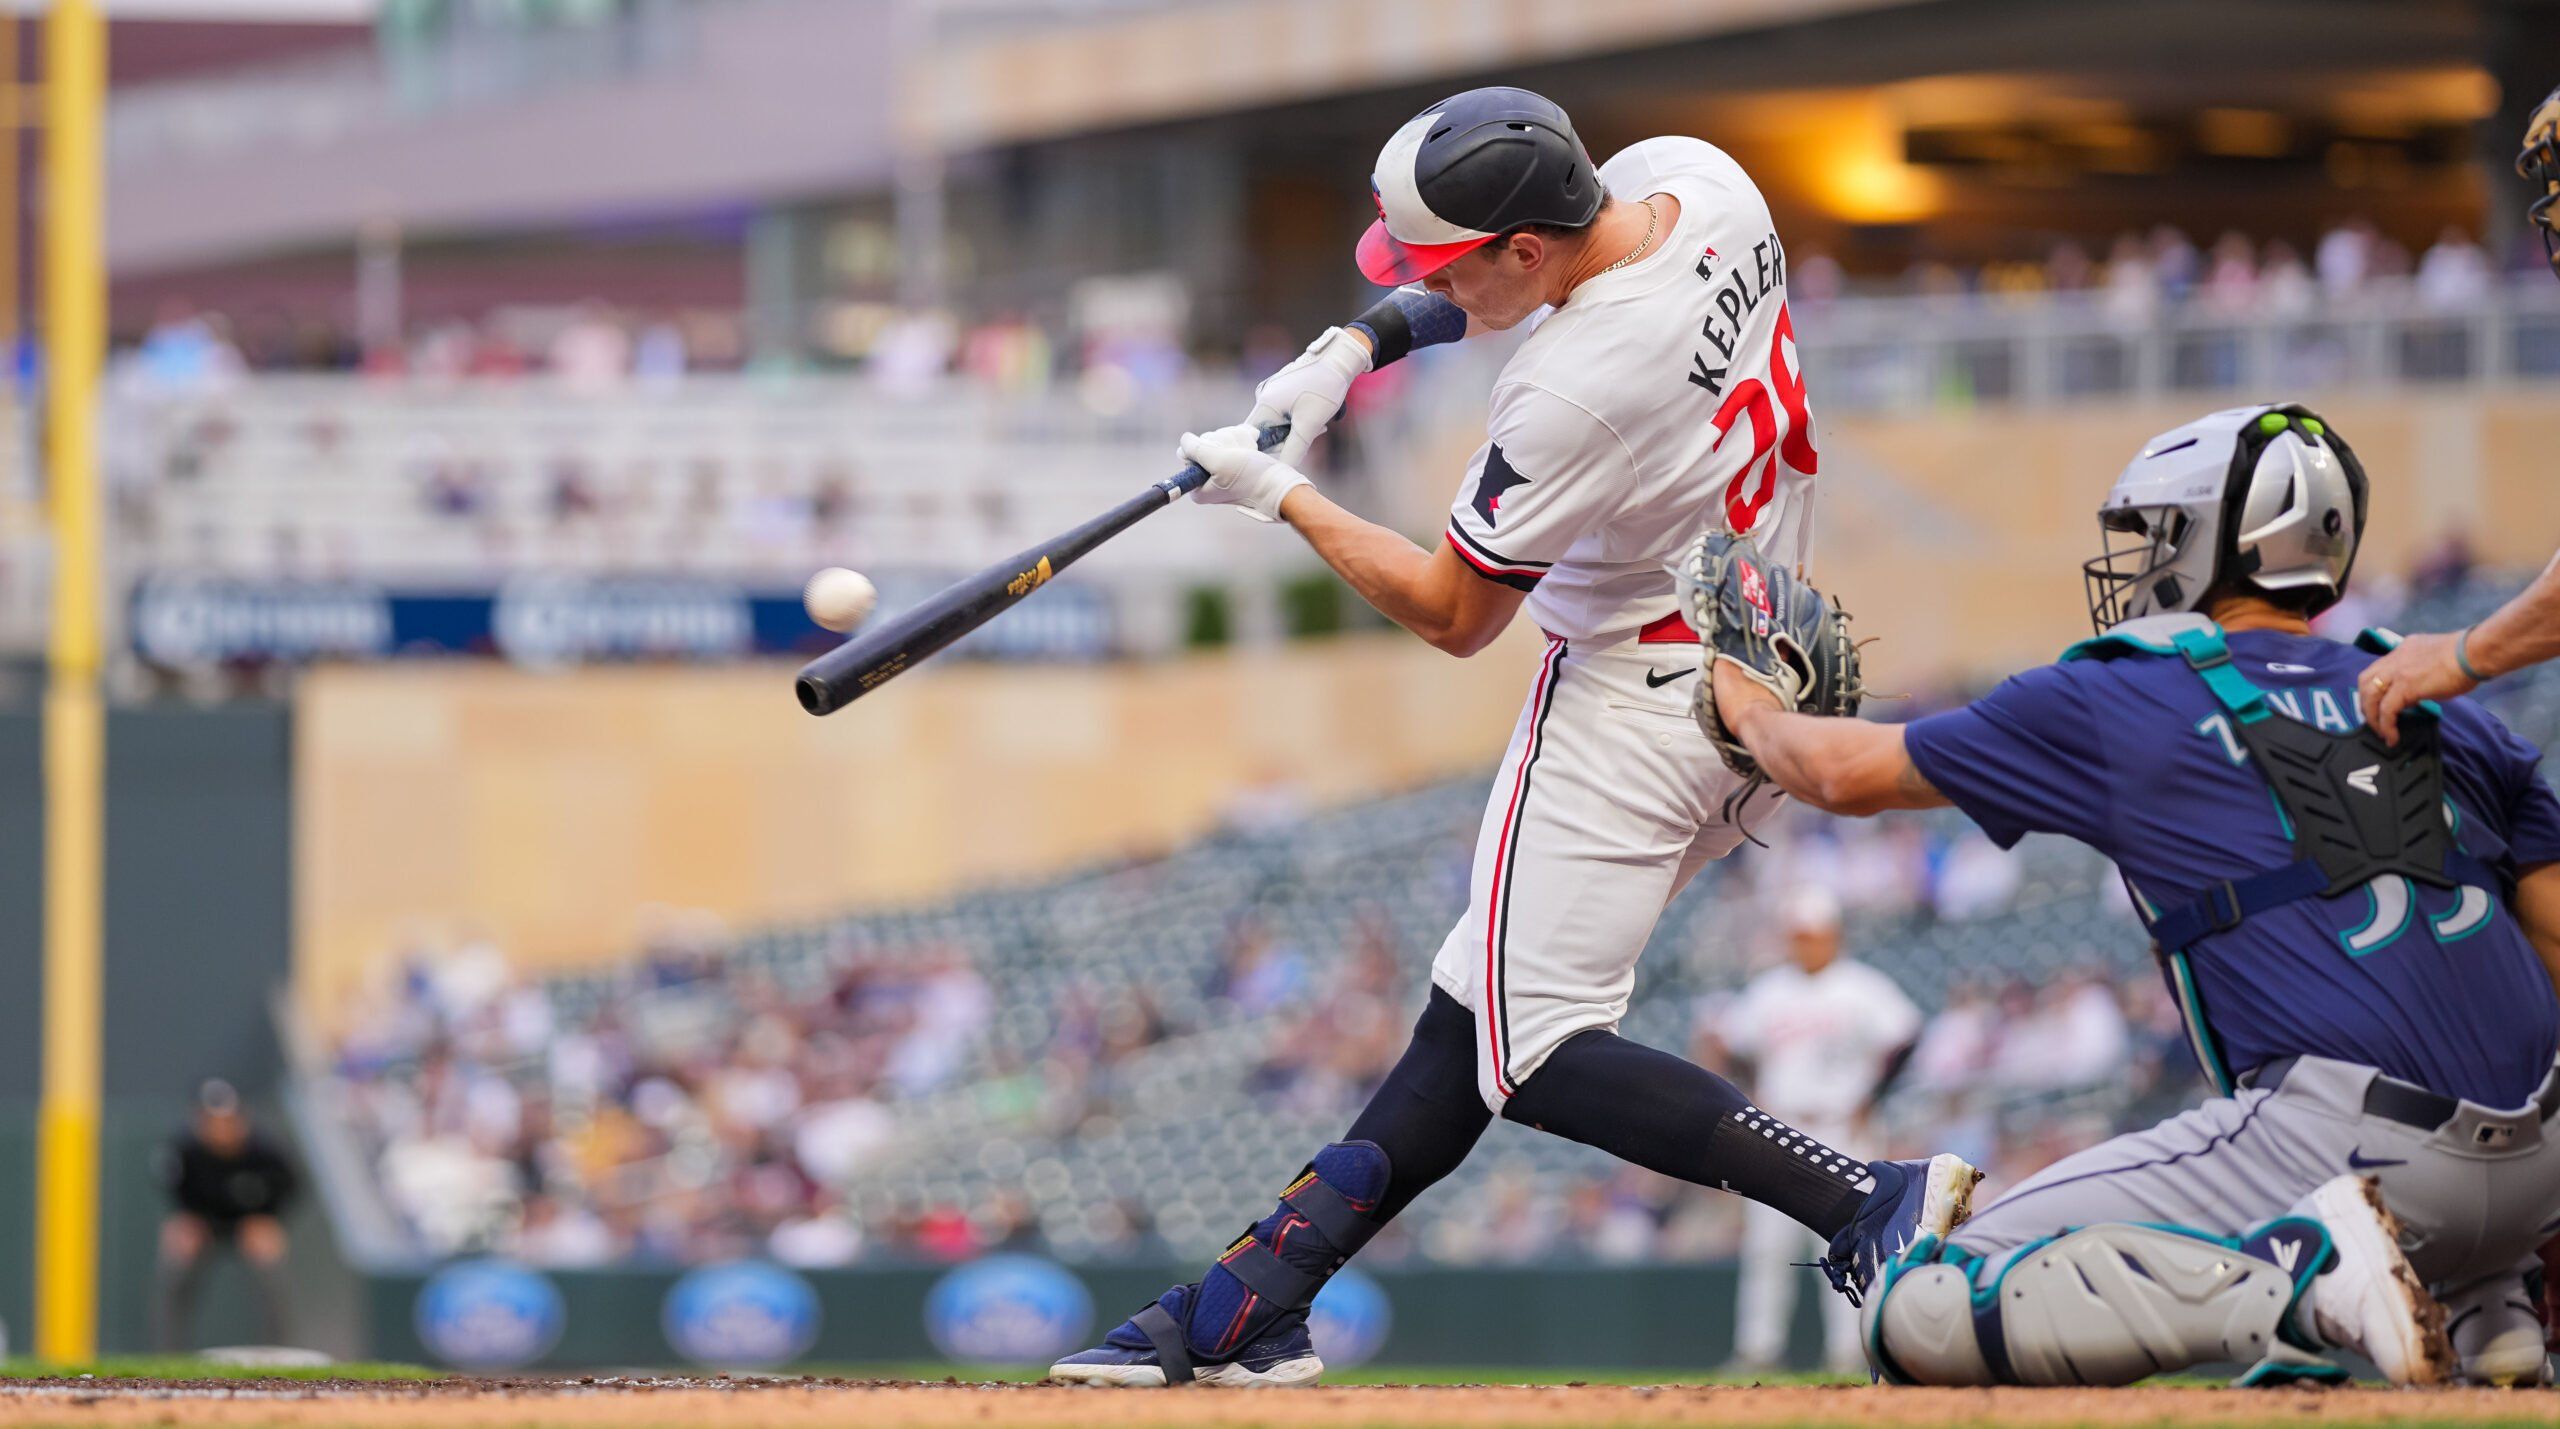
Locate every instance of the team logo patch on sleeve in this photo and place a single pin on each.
(1498, 478)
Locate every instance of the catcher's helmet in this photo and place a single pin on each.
(1466, 171)
(2267, 495)
(2540, 164)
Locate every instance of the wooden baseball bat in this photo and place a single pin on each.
(893, 647)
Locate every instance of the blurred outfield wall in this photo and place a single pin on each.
(553, 809)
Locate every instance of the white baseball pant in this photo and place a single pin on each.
(1606, 804)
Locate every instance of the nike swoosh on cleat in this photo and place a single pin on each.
(2358, 1161)
(1658, 681)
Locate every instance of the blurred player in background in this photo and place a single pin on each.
(1818, 1039)
(1658, 391)
(230, 1187)
(2365, 941)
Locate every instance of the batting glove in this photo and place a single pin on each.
(1240, 474)
(1309, 391)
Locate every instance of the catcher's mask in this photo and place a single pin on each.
(2267, 495)
(2539, 163)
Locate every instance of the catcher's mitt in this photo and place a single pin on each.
(1764, 619)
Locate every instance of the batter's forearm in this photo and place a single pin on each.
(1388, 571)
(2524, 631)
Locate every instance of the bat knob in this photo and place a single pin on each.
(813, 695)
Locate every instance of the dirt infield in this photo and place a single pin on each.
(647, 1403)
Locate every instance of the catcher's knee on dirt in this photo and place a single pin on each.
(1275, 1268)
(2107, 1304)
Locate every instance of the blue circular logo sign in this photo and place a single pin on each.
(1008, 1309)
(488, 1315)
(746, 1313)
(1350, 1319)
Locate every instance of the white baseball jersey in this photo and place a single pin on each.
(1818, 1040)
(1659, 400)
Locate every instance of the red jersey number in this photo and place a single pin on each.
(1781, 430)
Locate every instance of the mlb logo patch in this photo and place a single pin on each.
(2494, 1135)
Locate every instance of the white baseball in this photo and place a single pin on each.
(839, 599)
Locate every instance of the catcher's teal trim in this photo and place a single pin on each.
(1923, 1251)
(2107, 647)
(2273, 1373)
(2474, 904)
(2303, 1274)
(2146, 635)
(2361, 939)
(2282, 817)
(2311, 1267)
(2191, 1007)
(2209, 655)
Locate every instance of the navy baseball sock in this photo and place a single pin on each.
(1427, 1114)
(1676, 1117)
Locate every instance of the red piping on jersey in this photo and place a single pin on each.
(1493, 919)
(1489, 561)
(1469, 557)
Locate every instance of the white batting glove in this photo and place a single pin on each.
(1239, 474)
(1309, 391)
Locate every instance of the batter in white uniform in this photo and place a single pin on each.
(1821, 1035)
(1659, 394)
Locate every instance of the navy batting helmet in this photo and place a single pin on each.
(1468, 170)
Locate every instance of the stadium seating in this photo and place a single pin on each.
(1126, 1047)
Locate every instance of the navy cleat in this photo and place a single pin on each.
(1148, 1351)
(1912, 1201)
(1245, 1321)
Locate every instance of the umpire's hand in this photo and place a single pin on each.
(2424, 667)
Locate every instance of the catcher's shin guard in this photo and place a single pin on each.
(2106, 1304)
(1274, 1270)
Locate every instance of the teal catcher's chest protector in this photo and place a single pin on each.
(2355, 808)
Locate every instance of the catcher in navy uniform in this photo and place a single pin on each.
(2364, 936)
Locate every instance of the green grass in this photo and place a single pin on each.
(187, 1367)
(936, 1370)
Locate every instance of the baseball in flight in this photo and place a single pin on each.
(839, 599)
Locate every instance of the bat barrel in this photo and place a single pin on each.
(855, 668)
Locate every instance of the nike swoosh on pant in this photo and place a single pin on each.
(1658, 681)
(2358, 1161)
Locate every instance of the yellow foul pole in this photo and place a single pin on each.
(75, 300)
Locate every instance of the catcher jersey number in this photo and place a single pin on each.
(1781, 429)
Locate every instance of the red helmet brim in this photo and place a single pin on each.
(1390, 262)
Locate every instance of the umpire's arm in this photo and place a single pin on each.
(1841, 766)
(2524, 631)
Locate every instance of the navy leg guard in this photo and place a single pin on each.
(1274, 1270)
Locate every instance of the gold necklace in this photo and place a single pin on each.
(1653, 220)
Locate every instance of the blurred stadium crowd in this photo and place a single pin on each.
(2135, 279)
(1112, 1065)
